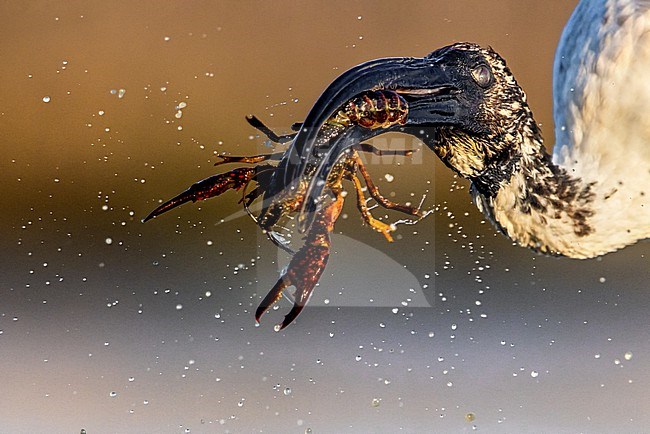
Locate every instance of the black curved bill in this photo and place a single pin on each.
(425, 84)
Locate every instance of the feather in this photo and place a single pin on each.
(602, 115)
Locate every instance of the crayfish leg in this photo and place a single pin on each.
(375, 194)
(377, 225)
(252, 159)
(269, 133)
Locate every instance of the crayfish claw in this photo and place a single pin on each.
(207, 188)
(288, 319)
(172, 203)
(303, 272)
(273, 296)
(306, 266)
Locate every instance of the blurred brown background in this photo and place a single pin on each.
(114, 326)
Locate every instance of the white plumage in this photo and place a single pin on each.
(601, 89)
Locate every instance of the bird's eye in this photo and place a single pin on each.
(482, 75)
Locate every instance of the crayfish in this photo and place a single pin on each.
(370, 110)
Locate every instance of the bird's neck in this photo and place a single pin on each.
(535, 202)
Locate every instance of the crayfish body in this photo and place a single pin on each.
(375, 109)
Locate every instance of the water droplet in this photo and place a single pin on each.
(628, 355)
(287, 391)
(108, 241)
(534, 374)
(388, 177)
(179, 306)
(358, 358)
(46, 99)
(375, 402)
(112, 394)
(470, 417)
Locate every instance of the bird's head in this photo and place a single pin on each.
(463, 101)
(489, 115)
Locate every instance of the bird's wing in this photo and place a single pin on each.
(601, 91)
(600, 78)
